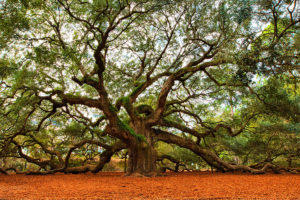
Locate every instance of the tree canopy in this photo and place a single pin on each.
(190, 81)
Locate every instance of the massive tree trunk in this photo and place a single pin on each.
(142, 155)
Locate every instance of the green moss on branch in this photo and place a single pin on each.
(124, 126)
(112, 108)
(136, 89)
(125, 101)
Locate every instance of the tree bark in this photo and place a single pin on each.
(142, 155)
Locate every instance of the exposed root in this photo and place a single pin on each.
(78, 170)
(137, 174)
(140, 174)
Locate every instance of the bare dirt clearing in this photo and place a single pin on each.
(112, 185)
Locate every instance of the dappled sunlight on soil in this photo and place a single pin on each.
(112, 185)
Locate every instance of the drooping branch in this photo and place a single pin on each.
(22, 131)
(80, 144)
(46, 150)
(105, 157)
(209, 157)
(172, 159)
(107, 154)
(41, 163)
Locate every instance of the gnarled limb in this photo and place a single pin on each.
(172, 159)
(80, 144)
(106, 156)
(209, 157)
(41, 163)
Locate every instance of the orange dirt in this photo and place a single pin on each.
(112, 185)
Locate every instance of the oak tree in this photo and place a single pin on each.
(127, 74)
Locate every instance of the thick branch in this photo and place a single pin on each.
(106, 155)
(210, 158)
(42, 164)
(80, 144)
(189, 68)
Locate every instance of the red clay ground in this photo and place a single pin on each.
(196, 185)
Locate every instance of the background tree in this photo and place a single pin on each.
(95, 77)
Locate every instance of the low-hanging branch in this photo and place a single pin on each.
(105, 157)
(211, 158)
(174, 160)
